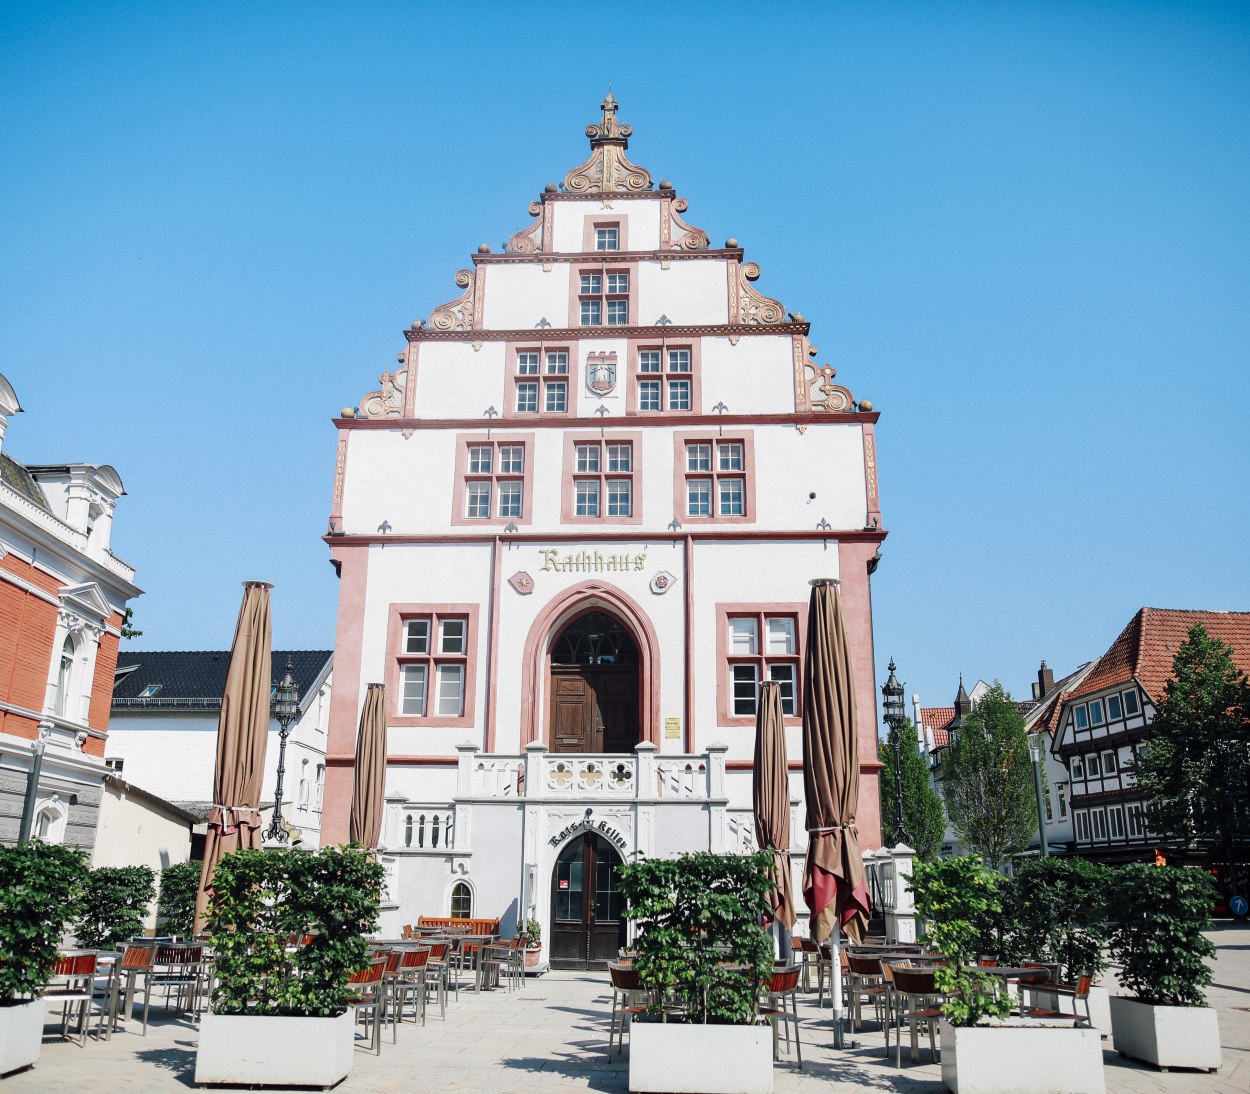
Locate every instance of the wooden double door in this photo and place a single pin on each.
(594, 708)
(587, 930)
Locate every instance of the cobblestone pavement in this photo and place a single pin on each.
(552, 1036)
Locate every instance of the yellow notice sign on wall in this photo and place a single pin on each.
(672, 729)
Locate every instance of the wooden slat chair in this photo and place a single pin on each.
(504, 960)
(180, 966)
(413, 965)
(72, 977)
(627, 991)
(438, 972)
(783, 985)
(369, 987)
(1077, 992)
(134, 972)
(916, 1000)
(866, 981)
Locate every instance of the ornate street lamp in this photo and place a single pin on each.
(283, 706)
(892, 711)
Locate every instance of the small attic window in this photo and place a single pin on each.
(150, 690)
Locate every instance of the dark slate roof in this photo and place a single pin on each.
(195, 679)
(18, 479)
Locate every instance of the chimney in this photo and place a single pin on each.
(1045, 681)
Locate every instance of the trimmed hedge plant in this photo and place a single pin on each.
(39, 888)
(175, 907)
(693, 915)
(260, 898)
(114, 902)
(1157, 941)
(961, 902)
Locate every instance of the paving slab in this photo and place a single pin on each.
(552, 1036)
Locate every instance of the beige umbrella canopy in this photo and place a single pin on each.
(242, 730)
(368, 796)
(771, 794)
(834, 886)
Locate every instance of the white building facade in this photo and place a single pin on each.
(163, 733)
(574, 529)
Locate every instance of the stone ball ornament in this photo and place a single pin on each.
(865, 405)
(349, 412)
(483, 248)
(731, 243)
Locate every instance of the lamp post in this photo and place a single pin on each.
(32, 782)
(892, 711)
(283, 706)
(1035, 754)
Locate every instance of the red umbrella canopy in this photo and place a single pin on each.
(771, 795)
(834, 885)
(242, 731)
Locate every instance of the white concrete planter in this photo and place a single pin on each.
(1013, 1057)
(693, 1059)
(21, 1034)
(1166, 1036)
(246, 1049)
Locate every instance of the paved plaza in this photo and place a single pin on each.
(553, 1036)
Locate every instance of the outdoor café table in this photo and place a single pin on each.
(1008, 973)
(470, 947)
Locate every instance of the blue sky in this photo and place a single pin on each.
(1021, 230)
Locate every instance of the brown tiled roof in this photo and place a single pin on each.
(1146, 647)
(936, 719)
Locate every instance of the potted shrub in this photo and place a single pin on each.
(114, 903)
(175, 907)
(1164, 962)
(532, 932)
(279, 1018)
(39, 887)
(1058, 913)
(698, 940)
(983, 1050)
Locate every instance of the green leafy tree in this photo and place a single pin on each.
(128, 631)
(39, 887)
(961, 904)
(698, 931)
(114, 902)
(1196, 770)
(987, 780)
(924, 819)
(175, 908)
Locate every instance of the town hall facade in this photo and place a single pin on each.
(574, 528)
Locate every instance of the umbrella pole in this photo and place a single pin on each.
(835, 981)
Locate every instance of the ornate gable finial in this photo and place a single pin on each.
(607, 169)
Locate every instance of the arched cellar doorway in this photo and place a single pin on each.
(587, 929)
(594, 686)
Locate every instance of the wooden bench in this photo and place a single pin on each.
(475, 926)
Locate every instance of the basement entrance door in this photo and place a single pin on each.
(594, 687)
(587, 930)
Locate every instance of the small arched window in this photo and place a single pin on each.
(461, 901)
(408, 830)
(434, 831)
(421, 830)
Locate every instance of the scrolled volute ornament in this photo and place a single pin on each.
(456, 314)
(754, 308)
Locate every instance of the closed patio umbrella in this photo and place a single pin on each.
(368, 798)
(242, 730)
(834, 886)
(771, 798)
